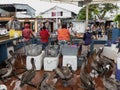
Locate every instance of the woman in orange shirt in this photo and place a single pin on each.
(63, 34)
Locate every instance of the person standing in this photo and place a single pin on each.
(94, 32)
(71, 29)
(87, 38)
(44, 37)
(63, 35)
(14, 24)
(14, 27)
(99, 29)
(27, 33)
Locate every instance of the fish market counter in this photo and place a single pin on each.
(14, 44)
(6, 44)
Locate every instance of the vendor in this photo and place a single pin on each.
(14, 27)
(27, 33)
(14, 24)
(63, 35)
(71, 29)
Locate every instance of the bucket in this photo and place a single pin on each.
(11, 32)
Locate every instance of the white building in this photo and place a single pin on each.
(59, 12)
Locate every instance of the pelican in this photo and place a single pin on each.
(111, 84)
(44, 85)
(99, 52)
(65, 73)
(102, 64)
(9, 69)
(28, 75)
(5, 72)
(86, 79)
(13, 56)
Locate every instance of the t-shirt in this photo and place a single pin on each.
(26, 33)
(87, 38)
(44, 35)
(64, 34)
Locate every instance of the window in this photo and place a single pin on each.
(61, 13)
(53, 14)
(58, 13)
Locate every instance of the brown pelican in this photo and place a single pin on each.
(8, 71)
(44, 85)
(86, 79)
(102, 65)
(99, 52)
(111, 84)
(14, 56)
(65, 73)
(28, 75)
(5, 72)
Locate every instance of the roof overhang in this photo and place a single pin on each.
(18, 8)
(11, 8)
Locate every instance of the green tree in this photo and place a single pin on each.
(39, 17)
(98, 10)
(117, 18)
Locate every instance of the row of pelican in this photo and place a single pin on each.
(100, 65)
